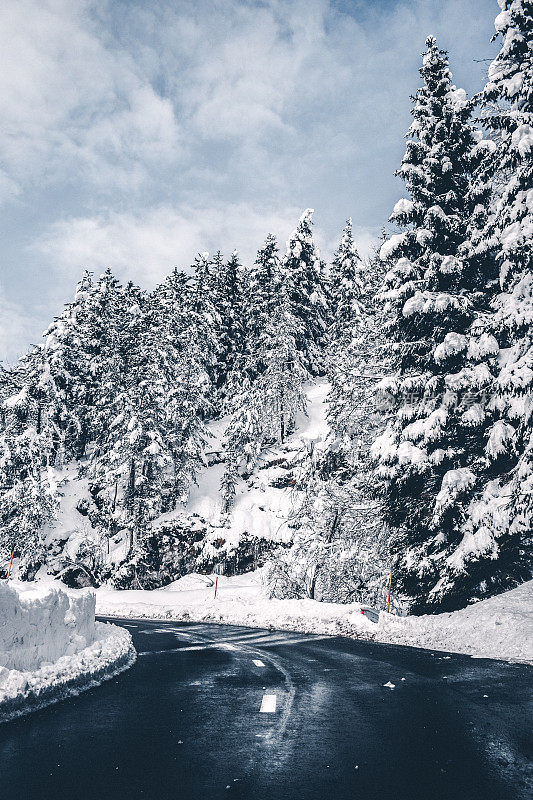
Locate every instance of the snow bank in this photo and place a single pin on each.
(39, 625)
(51, 647)
(501, 627)
(240, 600)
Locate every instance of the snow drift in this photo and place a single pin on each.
(51, 647)
(499, 627)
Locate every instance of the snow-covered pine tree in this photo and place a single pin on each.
(230, 306)
(264, 412)
(189, 385)
(28, 492)
(339, 551)
(65, 388)
(261, 298)
(359, 356)
(125, 465)
(202, 300)
(428, 454)
(304, 281)
(495, 552)
(48, 421)
(145, 459)
(114, 468)
(281, 372)
(263, 286)
(58, 375)
(356, 356)
(346, 285)
(101, 332)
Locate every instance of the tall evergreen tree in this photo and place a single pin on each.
(188, 381)
(59, 377)
(28, 491)
(262, 295)
(304, 281)
(346, 285)
(265, 410)
(428, 455)
(231, 294)
(147, 456)
(339, 549)
(496, 549)
(202, 305)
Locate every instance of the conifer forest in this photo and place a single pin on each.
(138, 404)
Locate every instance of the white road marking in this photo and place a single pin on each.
(163, 630)
(268, 704)
(277, 641)
(258, 663)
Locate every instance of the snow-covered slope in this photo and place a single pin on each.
(51, 646)
(501, 627)
(203, 533)
(263, 503)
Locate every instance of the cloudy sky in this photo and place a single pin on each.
(135, 133)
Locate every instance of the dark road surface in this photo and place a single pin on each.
(185, 722)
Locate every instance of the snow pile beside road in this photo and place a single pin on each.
(501, 627)
(51, 647)
(240, 600)
(39, 625)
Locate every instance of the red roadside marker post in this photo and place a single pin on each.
(216, 584)
(10, 565)
(390, 584)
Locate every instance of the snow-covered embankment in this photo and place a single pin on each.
(51, 647)
(499, 627)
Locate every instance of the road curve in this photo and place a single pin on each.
(213, 711)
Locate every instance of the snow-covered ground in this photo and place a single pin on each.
(263, 504)
(501, 627)
(51, 647)
(260, 509)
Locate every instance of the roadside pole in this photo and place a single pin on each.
(390, 584)
(216, 585)
(10, 565)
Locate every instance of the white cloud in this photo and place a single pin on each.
(137, 132)
(16, 329)
(119, 98)
(145, 247)
(74, 107)
(9, 189)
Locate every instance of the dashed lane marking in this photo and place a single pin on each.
(268, 704)
(258, 662)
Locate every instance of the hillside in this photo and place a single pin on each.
(203, 537)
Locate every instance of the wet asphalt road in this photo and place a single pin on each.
(185, 722)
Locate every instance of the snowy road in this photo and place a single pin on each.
(213, 712)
